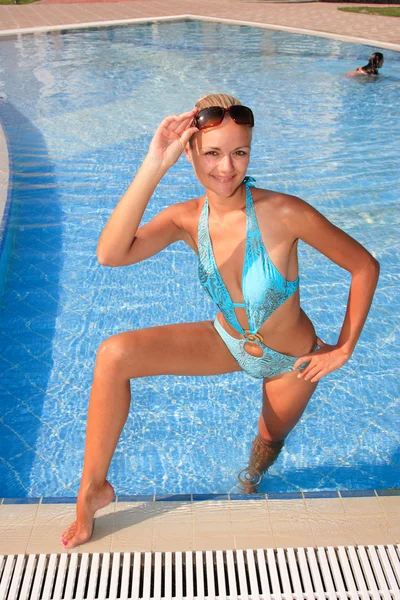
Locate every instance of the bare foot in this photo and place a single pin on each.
(80, 531)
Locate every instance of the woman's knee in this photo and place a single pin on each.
(271, 433)
(115, 354)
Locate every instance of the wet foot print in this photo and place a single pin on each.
(80, 531)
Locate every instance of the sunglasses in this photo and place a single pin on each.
(214, 115)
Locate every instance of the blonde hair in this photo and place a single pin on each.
(223, 100)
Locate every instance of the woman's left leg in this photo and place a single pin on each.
(285, 398)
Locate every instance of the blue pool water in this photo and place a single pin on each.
(79, 109)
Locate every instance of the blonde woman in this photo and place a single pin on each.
(246, 239)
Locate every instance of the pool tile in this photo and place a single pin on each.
(173, 498)
(213, 536)
(252, 532)
(257, 527)
(50, 500)
(247, 497)
(214, 497)
(289, 508)
(16, 523)
(139, 512)
(51, 521)
(390, 504)
(172, 537)
(356, 493)
(134, 522)
(292, 532)
(335, 531)
(389, 492)
(208, 511)
(362, 506)
(244, 542)
(138, 498)
(131, 536)
(173, 511)
(249, 511)
(284, 496)
(321, 494)
(394, 532)
(373, 529)
(21, 500)
(323, 506)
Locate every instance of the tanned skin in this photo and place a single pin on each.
(220, 157)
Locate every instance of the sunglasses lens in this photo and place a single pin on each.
(209, 117)
(213, 115)
(242, 115)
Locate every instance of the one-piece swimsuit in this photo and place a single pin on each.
(264, 290)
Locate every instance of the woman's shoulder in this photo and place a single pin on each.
(188, 209)
(279, 202)
(186, 215)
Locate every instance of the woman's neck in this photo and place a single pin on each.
(221, 206)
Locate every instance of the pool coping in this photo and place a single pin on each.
(215, 497)
(5, 203)
(189, 16)
(131, 523)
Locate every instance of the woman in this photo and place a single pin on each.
(375, 62)
(247, 240)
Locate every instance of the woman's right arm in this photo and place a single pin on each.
(117, 245)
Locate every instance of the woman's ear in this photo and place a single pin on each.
(188, 152)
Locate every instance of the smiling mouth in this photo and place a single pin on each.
(224, 179)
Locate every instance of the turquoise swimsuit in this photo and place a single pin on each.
(264, 290)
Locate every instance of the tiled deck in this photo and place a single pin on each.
(207, 525)
(317, 17)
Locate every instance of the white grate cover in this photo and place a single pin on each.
(348, 572)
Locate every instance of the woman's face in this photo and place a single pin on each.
(220, 156)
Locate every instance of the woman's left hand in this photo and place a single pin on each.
(321, 362)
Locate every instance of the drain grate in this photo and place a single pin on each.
(348, 572)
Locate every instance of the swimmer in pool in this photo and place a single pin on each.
(246, 239)
(375, 62)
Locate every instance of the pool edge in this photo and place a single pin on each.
(5, 205)
(215, 497)
(114, 22)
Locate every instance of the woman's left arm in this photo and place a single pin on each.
(309, 225)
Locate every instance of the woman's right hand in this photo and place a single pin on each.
(171, 137)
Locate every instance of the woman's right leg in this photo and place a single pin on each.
(184, 349)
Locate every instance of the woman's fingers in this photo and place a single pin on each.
(174, 121)
(318, 376)
(309, 373)
(183, 125)
(171, 137)
(300, 361)
(321, 362)
(187, 135)
(305, 371)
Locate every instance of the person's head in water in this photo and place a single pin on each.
(375, 62)
(220, 150)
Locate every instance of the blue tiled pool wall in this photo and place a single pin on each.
(189, 434)
(324, 494)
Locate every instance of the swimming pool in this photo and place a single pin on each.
(79, 112)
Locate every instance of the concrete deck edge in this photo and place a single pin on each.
(316, 33)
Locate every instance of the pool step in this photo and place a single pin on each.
(346, 572)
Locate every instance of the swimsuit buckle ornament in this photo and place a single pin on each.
(253, 337)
